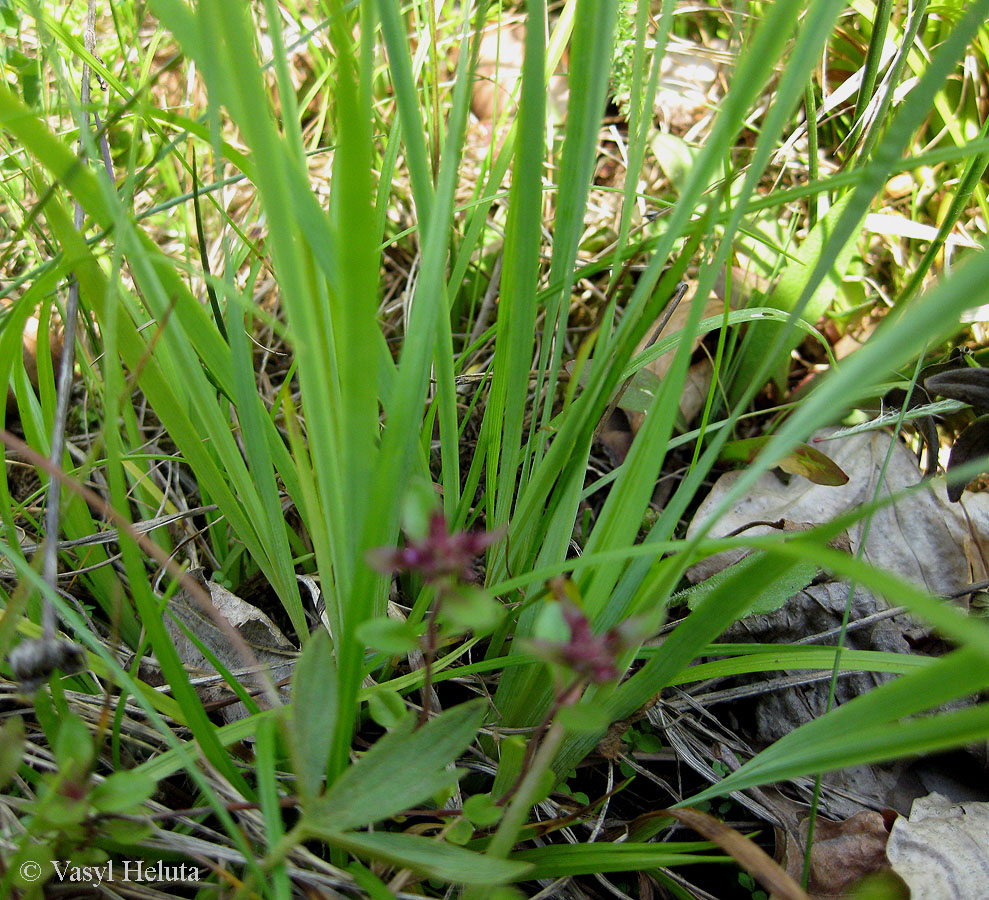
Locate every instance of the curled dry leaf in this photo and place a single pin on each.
(801, 460)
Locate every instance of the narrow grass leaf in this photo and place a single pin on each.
(430, 857)
(870, 744)
(795, 659)
(876, 713)
(516, 329)
(567, 860)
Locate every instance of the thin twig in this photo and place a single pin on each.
(49, 570)
(488, 303)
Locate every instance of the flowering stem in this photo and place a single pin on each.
(565, 698)
(428, 656)
(530, 782)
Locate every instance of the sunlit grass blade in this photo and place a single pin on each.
(514, 350)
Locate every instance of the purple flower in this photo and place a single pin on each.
(437, 556)
(591, 657)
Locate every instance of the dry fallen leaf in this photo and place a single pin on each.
(843, 853)
(262, 637)
(942, 851)
(922, 538)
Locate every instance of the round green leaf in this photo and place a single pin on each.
(122, 791)
(387, 708)
(460, 832)
(471, 609)
(482, 810)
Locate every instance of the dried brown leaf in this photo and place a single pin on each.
(843, 853)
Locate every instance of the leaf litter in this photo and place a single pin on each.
(923, 538)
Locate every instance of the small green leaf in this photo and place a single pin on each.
(60, 810)
(122, 791)
(74, 750)
(647, 742)
(387, 708)
(482, 811)
(460, 832)
(314, 712)
(471, 609)
(30, 864)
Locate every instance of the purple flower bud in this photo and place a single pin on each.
(589, 655)
(437, 556)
